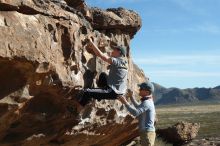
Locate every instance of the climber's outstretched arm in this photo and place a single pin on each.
(98, 52)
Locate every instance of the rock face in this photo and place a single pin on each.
(180, 133)
(43, 56)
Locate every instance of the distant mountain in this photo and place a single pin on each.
(175, 96)
(218, 87)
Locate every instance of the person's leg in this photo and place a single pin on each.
(151, 137)
(147, 138)
(102, 81)
(144, 141)
(97, 93)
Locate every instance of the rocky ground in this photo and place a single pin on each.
(205, 142)
(196, 142)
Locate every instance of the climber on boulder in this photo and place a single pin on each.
(112, 85)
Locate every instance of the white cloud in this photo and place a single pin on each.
(192, 6)
(201, 28)
(179, 60)
(181, 66)
(208, 28)
(182, 73)
(113, 1)
(124, 0)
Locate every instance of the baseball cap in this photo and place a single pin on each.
(122, 49)
(147, 85)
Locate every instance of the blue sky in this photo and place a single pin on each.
(179, 42)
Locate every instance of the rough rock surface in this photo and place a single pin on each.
(181, 132)
(43, 56)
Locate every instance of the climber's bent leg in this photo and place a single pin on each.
(102, 81)
(97, 93)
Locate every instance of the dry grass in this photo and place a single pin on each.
(208, 115)
(201, 108)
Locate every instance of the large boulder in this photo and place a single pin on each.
(181, 132)
(43, 56)
(116, 20)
